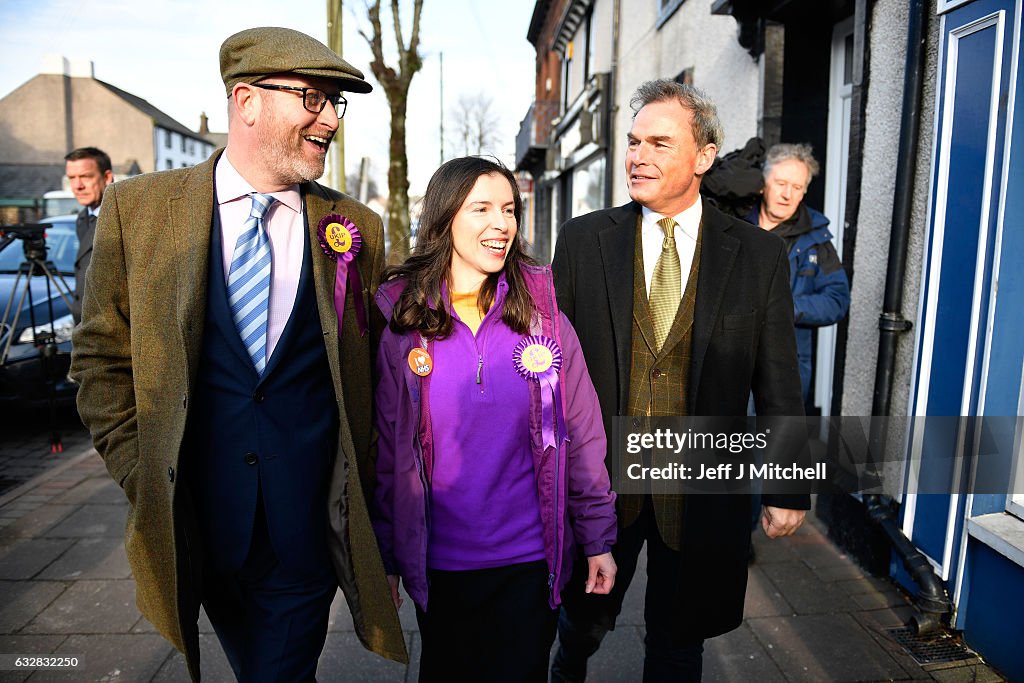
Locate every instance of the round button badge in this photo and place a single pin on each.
(420, 362)
(338, 237)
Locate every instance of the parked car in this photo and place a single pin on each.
(22, 374)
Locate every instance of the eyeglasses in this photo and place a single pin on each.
(313, 99)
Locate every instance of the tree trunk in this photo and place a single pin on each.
(396, 88)
(398, 186)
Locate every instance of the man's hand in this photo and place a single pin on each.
(395, 597)
(778, 522)
(601, 577)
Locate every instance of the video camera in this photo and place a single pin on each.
(25, 231)
(34, 235)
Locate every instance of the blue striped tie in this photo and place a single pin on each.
(249, 282)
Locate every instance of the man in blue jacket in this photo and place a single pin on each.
(821, 291)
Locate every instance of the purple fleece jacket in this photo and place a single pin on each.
(577, 506)
(484, 510)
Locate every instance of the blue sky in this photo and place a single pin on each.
(165, 51)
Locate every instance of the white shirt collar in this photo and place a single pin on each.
(688, 220)
(231, 186)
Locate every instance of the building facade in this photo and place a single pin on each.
(910, 105)
(65, 107)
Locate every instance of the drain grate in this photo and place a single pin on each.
(932, 648)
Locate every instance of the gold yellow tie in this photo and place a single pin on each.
(666, 284)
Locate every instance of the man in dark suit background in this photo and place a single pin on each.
(89, 171)
(680, 310)
(227, 387)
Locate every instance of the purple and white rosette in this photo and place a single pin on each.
(539, 358)
(340, 240)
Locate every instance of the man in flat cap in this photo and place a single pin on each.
(224, 364)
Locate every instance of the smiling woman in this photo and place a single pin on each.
(476, 340)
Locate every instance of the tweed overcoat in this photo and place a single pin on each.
(743, 343)
(136, 356)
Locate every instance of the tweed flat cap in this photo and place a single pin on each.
(255, 53)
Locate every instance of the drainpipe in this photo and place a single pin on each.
(610, 109)
(932, 603)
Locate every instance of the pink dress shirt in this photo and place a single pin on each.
(285, 226)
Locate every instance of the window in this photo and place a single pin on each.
(588, 51)
(167, 139)
(588, 186)
(567, 76)
(666, 8)
(184, 143)
(168, 164)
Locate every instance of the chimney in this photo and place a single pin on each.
(204, 124)
(82, 68)
(54, 64)
(62, 66)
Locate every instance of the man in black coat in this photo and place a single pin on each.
(89, 172)
(727, 332)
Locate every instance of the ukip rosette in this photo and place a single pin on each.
(340, 240)
(536, 356)
(539, 358)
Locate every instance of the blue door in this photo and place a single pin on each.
(970, 344)
(967, 191)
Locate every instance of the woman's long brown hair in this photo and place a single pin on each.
(421, 307)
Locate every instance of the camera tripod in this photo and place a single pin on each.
(35, 264)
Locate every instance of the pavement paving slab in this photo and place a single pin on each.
(36, 523)
(345, 659)
(110, 658)
(90, 558)
(621, 657)
(968, 674)
(26, 645)
(90, 607)
(213, 664)
(24, 559)
(763, 598)
(99, 489)
(805, 592)
(92, 521)
(824, 647)
(21, 601)
(739, 656)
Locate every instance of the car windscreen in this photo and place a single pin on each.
(61, 248)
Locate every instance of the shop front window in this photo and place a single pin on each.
(588, 186)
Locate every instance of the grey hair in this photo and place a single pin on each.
(707, 129)
(786, 151)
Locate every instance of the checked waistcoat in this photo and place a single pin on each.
(658, 380)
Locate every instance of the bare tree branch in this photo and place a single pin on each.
(475, 127)
(396, 89)
(399, 41)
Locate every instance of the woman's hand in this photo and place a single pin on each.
(395, 597)
(601, 577)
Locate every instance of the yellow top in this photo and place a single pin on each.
(465, 304)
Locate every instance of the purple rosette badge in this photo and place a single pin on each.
(340, 239)
(539, 359)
